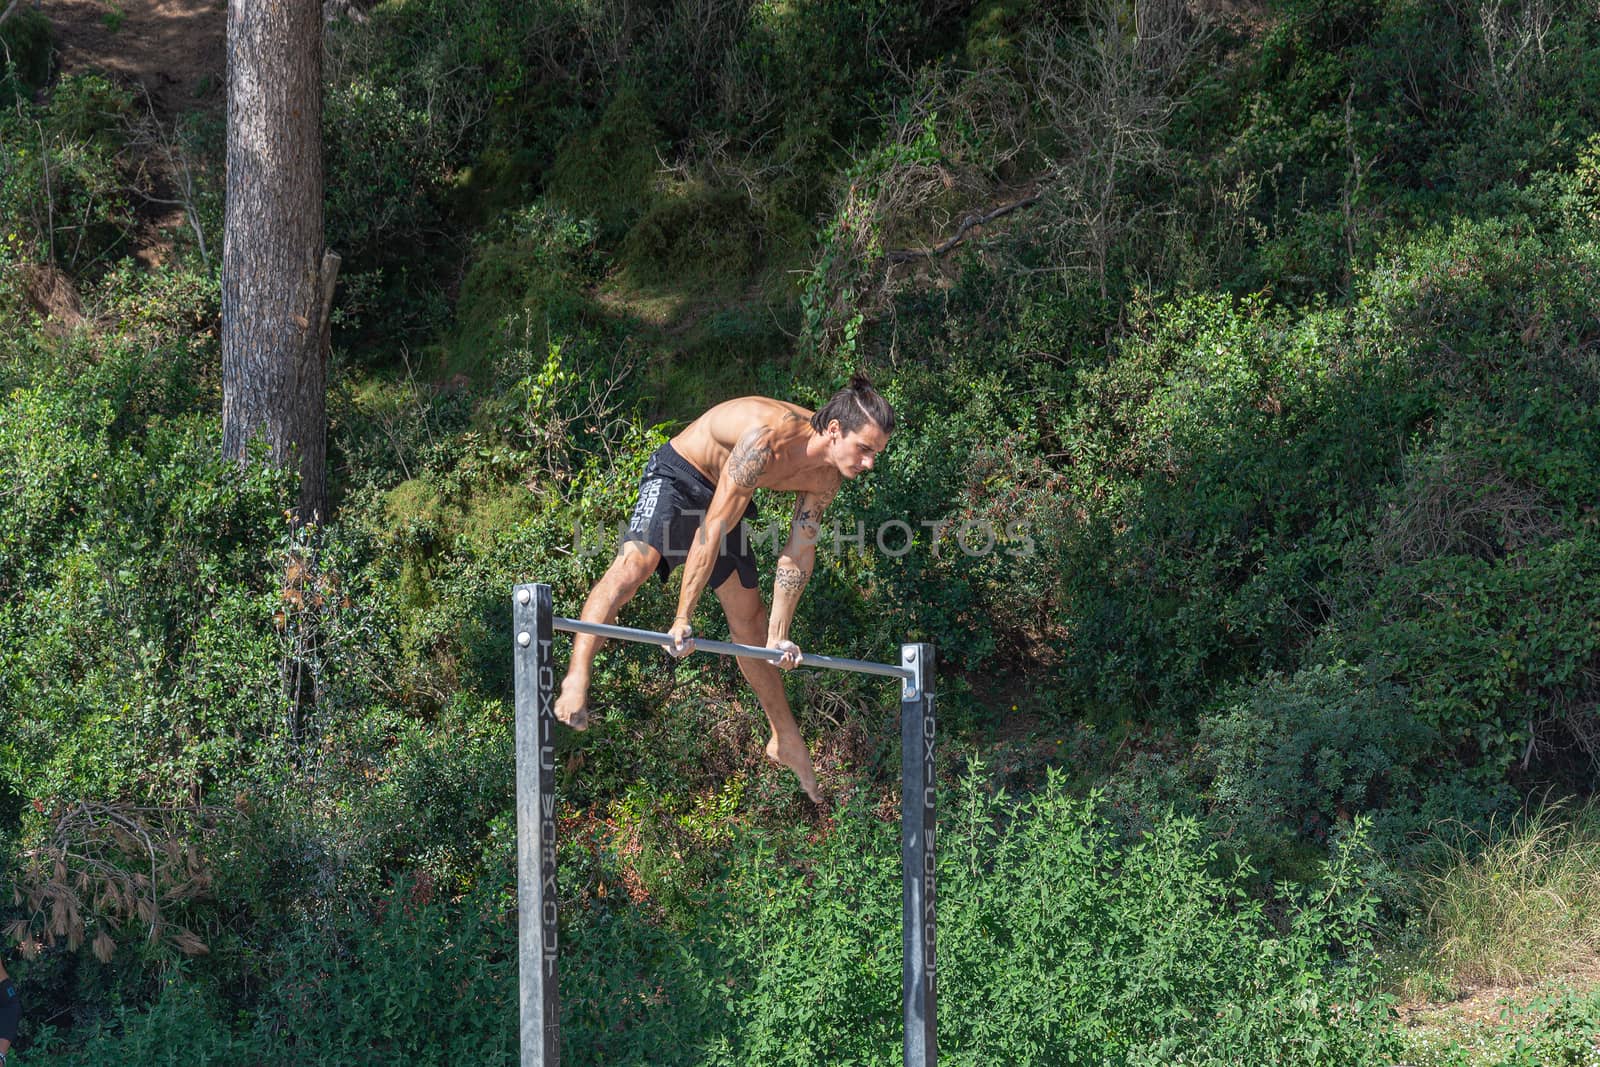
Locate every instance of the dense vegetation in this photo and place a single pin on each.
(1273, 366)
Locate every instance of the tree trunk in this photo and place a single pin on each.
(277, 283)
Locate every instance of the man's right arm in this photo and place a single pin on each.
(795, 562)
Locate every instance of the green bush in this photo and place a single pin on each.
(607, 172)
(1454, 593)
(1492, 654)
(25, 45)
(705, 238)
(1058, 943)
(1224, 455)
(419, 979)
(147, 620)
(441, 787)
(1313, 750)
(185, 1023)
(532, 270)
(385, 175)
(62, 196)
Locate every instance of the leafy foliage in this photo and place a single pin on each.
(25, 44)
(1247, 377)
(61, 190)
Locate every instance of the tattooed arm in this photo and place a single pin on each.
(745, 465)
(796, 561)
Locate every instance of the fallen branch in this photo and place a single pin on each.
(907, 255)
(11, 9)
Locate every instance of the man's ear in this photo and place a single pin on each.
(834, 429)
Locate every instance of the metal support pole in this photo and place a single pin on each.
(531, 614)
(534, 623)
(917, 856)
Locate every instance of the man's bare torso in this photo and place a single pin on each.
(708, 441)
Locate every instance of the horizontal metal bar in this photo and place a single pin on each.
(728, 648)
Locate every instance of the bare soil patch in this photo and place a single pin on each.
(174, 50)
(1492, 1005)
(173, 55)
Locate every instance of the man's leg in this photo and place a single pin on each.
(633, 566)
(747, 622)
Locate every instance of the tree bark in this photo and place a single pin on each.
(277, 279)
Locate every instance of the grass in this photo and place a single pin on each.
(1503, 968)
(1515, 906)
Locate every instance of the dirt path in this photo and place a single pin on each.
(173, 49)
(172, 54)
(1487, 1019)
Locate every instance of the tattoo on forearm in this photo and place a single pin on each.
(792, 579)
(806, 525)
(807, 516)
(748, 460)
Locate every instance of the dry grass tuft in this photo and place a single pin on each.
(1520, 904)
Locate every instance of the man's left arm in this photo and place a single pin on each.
(794, 565)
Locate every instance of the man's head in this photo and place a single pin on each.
(857, 422)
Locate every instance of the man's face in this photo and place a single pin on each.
(857, 450)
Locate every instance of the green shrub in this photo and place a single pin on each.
(1058, 943)
(1129, 952)
(439, 789)
(419, 979)
(526, 286)
(607, 172)
(1492, 653)
(703, 238)
(1220, 455)
(62, 196)
(136, 582)
(1454, 595)
(385, 175)
(423, 979)
(89, 107)
(956, 524)
(187, 1022)
(1313, 750)
(1566, 1026)
(25, 46)
(993, 30)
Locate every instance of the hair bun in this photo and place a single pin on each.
(856, 403)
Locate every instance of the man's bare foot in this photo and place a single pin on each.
(797, 759)
(571, 706)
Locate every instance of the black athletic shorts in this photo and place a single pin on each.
(10, 1010)
(673, 498)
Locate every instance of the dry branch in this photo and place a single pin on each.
(102, 867)
(907, 255)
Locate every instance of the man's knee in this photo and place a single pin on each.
(747, 623)
(631, 568)
(748, 634)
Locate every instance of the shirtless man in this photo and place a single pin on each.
(693, 499)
